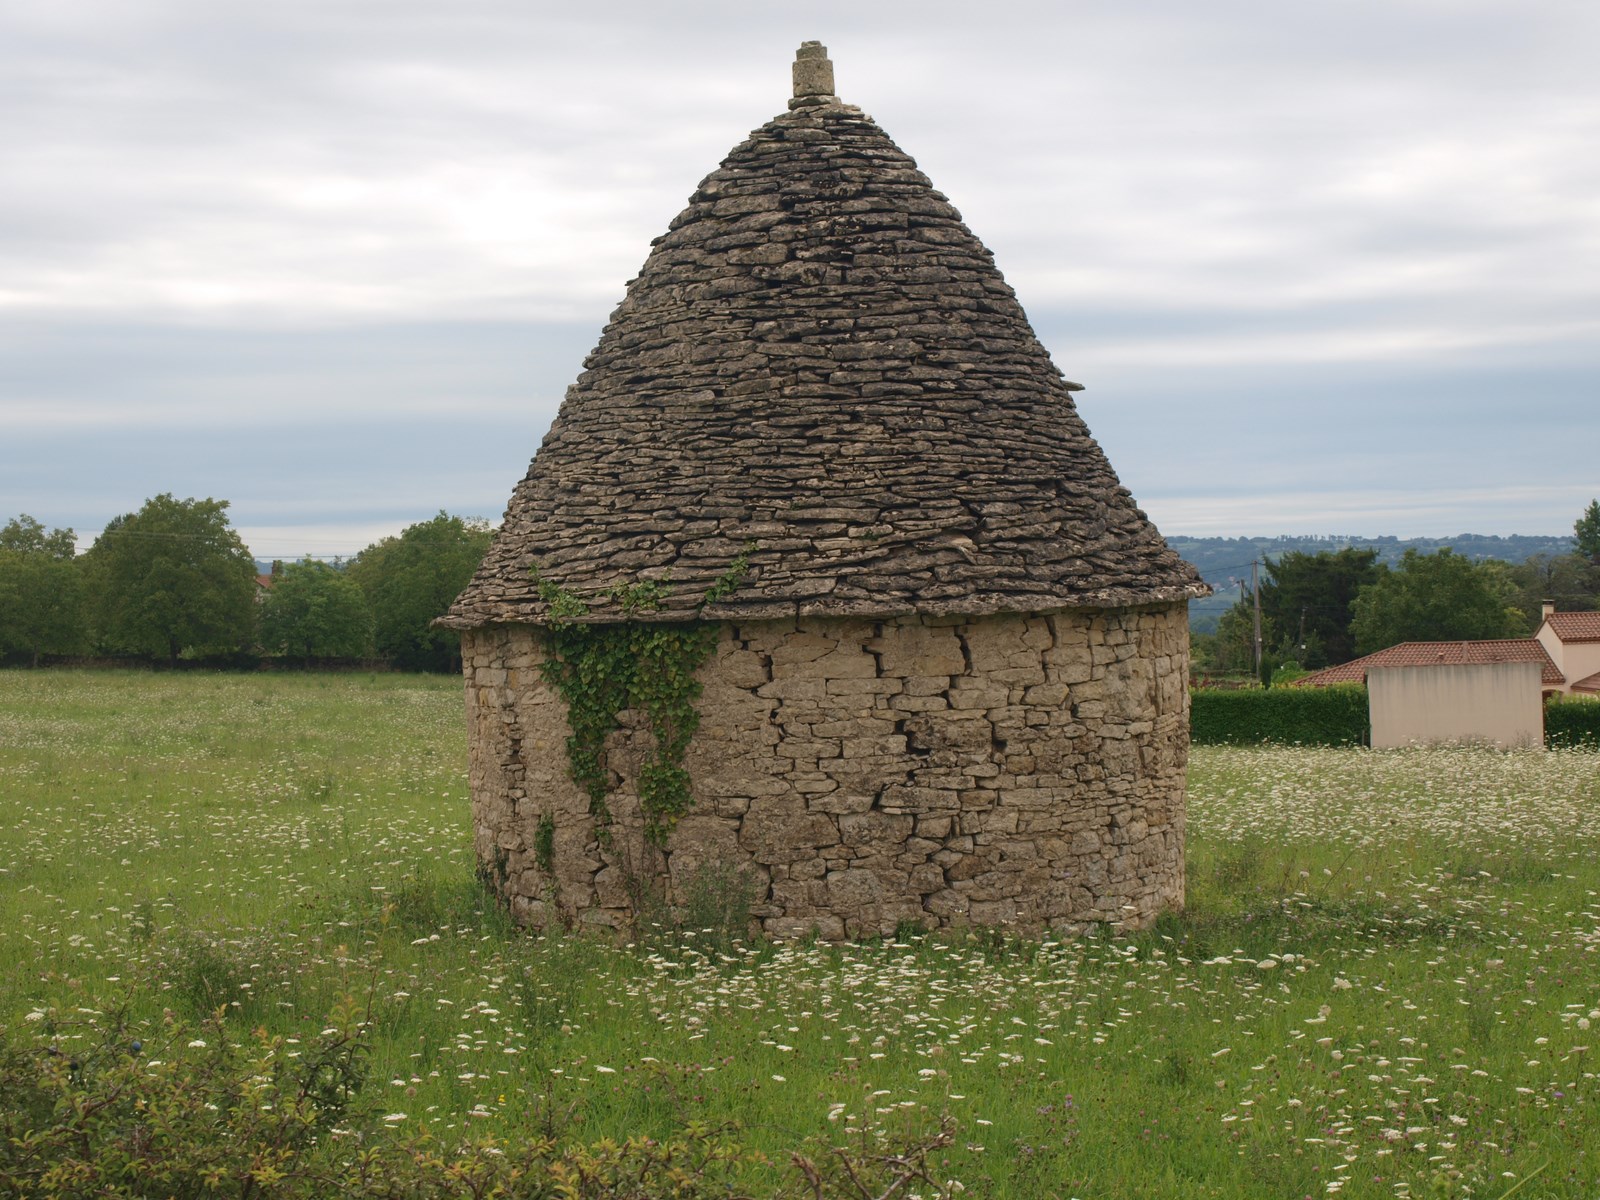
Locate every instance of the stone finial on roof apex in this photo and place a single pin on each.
(813, 75)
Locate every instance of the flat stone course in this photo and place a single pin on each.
(1032, 807)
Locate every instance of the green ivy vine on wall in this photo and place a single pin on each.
(602, 670)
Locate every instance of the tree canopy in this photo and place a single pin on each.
(1569, 581)
(170, 578)
(1434, 598)
(1232, 648)
(1586, 532)
(314, 610)
(1308, 600)
(413, 578)
(41, 597)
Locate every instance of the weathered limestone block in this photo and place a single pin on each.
(800, 647)
(997, 644)
(875, 829)
(701, 842)
(782, 830)
(822, 925)
(922, 653)
(853, 890)
(978, 693)
(965, 729)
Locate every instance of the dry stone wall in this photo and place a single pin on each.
(1016, 770)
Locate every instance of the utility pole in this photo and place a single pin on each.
(1255, 589)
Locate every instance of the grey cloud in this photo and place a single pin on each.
(356, 224)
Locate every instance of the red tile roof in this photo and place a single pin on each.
(1428, 654)
(1589, 683)
(1575, 626)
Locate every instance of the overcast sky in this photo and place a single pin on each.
(1324, 267)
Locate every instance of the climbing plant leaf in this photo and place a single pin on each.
(650, 667)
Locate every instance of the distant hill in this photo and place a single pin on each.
(1223, 561)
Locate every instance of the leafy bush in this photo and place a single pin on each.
(1327, 716)
(93, 1105)
(89, 1108)
(411, 579)
(315, 610)
(1287, 672)
(198, 1112)
(1572, 721)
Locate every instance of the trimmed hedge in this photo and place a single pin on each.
(1325, 716)
(1572, 721)
(1338, 716)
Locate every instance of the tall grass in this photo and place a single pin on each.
(1386, 982)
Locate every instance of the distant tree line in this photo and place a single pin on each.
(174, 582)
(1321, 609)
(1223, 561)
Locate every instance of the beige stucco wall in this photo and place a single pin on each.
(1011, 770)
(1579, 660)
(1498, 703)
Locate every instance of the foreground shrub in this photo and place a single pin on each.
(90, 1109)
(1327, 716)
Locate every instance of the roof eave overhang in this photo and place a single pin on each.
(977, 605)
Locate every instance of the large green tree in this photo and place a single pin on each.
(170, 578)
(1586, 532)
(1569, 581)
(315, 610)
(1233, 646)
(41, 592)
(1309, 600)
(1434, 598)
(411, 579)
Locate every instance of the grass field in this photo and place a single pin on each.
(1387, 982)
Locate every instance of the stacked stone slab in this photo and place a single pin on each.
(951, 687)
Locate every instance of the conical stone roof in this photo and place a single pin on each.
(820, 360)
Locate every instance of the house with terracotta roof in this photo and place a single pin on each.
(1445, 654)
(266, 580)
(1487, 690)
(1571, 640)
(1566, 647)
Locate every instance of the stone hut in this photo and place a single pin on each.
(950, 685)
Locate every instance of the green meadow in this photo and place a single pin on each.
(1387, 981)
